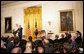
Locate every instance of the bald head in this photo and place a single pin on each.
(16, 50)
(40, 50)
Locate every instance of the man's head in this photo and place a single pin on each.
(72, 38)
(46, 42)
(56, 36)
(40, 50)
(62, 35)
(19, 26)
(66, 34)
(16, 50)
(43, 37)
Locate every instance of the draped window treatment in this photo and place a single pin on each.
(31, 15)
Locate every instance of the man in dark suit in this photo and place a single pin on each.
(68, 36)
(19, 30)
(62, 39)
(56, 39)
(51, 41)
(78, 37)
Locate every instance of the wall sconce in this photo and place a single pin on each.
(49, 22)
(17, 25)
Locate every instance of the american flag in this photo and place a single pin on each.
(29, 30)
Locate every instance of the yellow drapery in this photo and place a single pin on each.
(32, 14)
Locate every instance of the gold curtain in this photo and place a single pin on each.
(32, 14)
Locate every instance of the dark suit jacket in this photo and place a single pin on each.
(56, 41)
(68, 37)
(62, 40)
(20, 33)
(78, 39)
(3, 50)
(51, 41)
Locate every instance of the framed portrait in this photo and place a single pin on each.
(8, 24)
(67, 23)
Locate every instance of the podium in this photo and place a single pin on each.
(50, 34)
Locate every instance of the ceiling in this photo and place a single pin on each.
(7, 2)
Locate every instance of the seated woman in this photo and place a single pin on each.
(73, 41)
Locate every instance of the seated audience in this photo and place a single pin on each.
(66, 44)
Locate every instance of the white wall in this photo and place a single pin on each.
(50, 12)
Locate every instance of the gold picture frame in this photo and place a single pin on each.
(67, 21)
(8, 24)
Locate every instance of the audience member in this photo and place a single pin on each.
(62, 39)
(78, 37)
(40, 50)
(16, 50)
(73, 41)
(56, 39)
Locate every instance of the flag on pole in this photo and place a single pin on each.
(36, 24)
(36, 30)
(29, 29)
